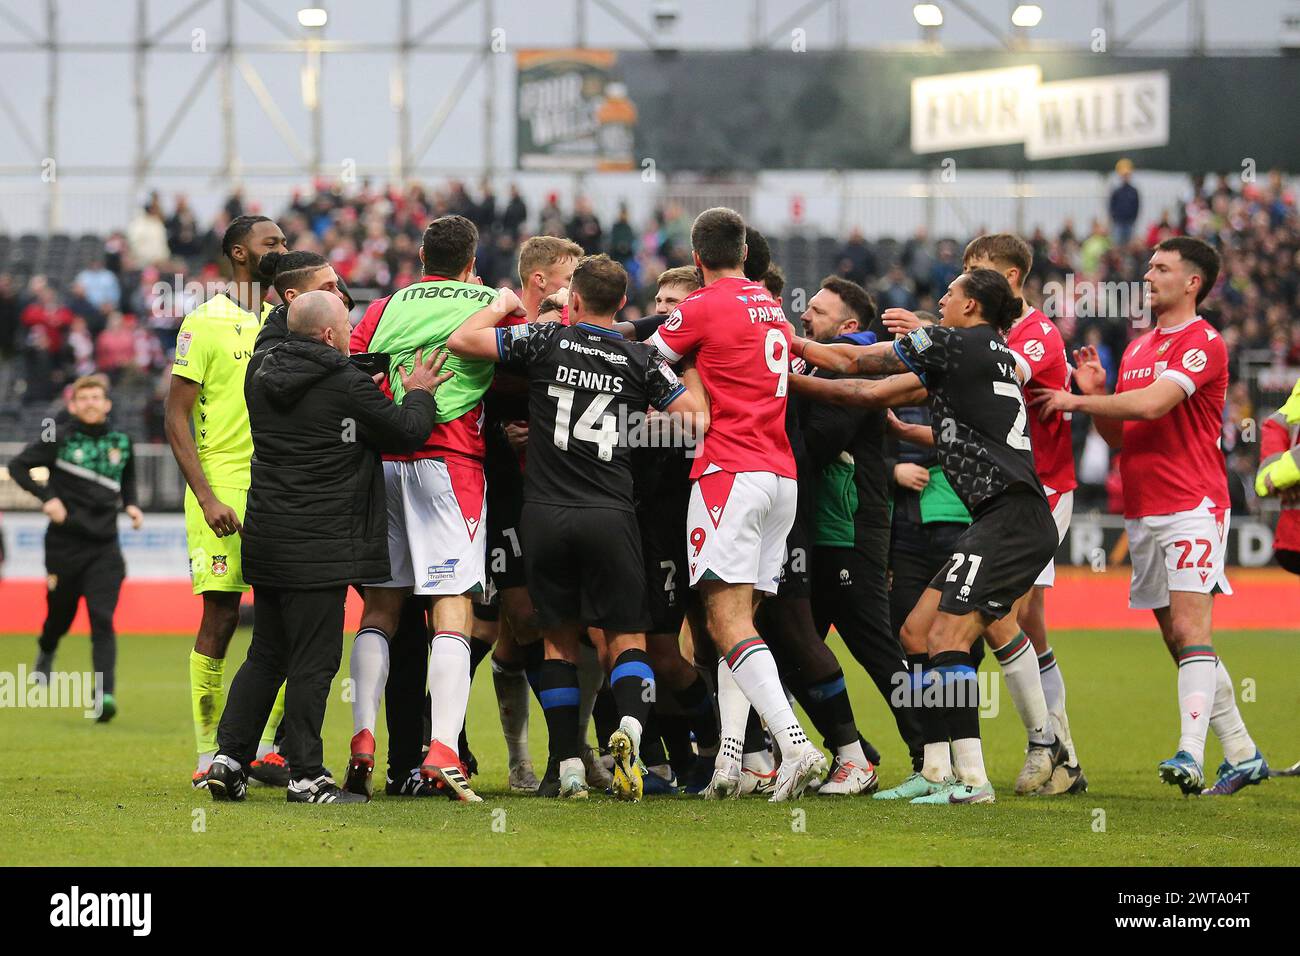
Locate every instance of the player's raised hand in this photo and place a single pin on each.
(1088, 371)
(900, 321)
(427, 375)
(221, 518)
(507, 303)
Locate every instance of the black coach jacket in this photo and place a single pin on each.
(316, 514)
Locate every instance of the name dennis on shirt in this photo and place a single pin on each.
(596, 381)
(77, 909)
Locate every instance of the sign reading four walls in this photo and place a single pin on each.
(1098, 114)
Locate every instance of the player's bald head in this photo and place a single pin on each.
(322, 316)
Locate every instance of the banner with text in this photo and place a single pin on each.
(746, 111)
(572, 112)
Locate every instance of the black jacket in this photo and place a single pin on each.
(316, 514)
(92, 471)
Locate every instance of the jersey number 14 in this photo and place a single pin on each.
(604, 437)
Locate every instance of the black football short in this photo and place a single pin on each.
(585, 565)
(505, 504)
(796, 579)
(663, 549)
(999, 556)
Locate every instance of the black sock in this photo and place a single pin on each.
(558, 682)
(534, 654)
(604, 714)
(696, 700)
(675, 731)
(478, 649)
(934, 724)
(755, 736)
(961, 698)
(830, 711)
(632, 682)
(652, 745)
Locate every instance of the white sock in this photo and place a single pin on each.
(852, 753)
(368, 666)
(733, 714)
(230, 762)
(938, 762)
(759, 761)
(264, 749)
(1020, 671)
(511, 686)
(591, 677)
(632, 727)
(205, 761)
(1196, 680)
(1049, 672)
(969, 758)
(1225, 719)
(751, 664)
(448, 686)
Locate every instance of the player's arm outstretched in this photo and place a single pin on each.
(878, 359)
(477, 336)
(904, 389)
(1109, 411)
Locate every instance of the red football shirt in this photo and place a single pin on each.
(1174, 463)
(1039, 350)
(740, 339)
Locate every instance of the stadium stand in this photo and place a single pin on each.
(75, 304)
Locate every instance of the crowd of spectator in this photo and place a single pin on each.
(120, 314)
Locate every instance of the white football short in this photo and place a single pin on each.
(437, 519)
(1062, 512)
(736, 526)
(1183, 551)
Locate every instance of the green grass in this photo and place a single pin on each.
(73, 792)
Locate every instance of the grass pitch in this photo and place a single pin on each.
(76, 793)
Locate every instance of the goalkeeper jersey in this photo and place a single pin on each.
(212, 349)
(422, 317)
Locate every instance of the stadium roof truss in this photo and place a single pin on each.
(290, 38)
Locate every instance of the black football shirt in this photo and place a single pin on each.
(588, 390)
(977, 412)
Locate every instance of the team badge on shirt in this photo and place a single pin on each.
(183, 344)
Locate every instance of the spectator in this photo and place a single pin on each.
(99, 285)
(896, 290)
(146, 236)
(855, 261)
(622, 238)
(1124, 204)
(115, 347)
(183, 232)
(552, 220)
(584, 227)
(46, 312)
(516, 213)
(81, 348)
(9, 321)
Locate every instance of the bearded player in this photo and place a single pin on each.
(1165, 418)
